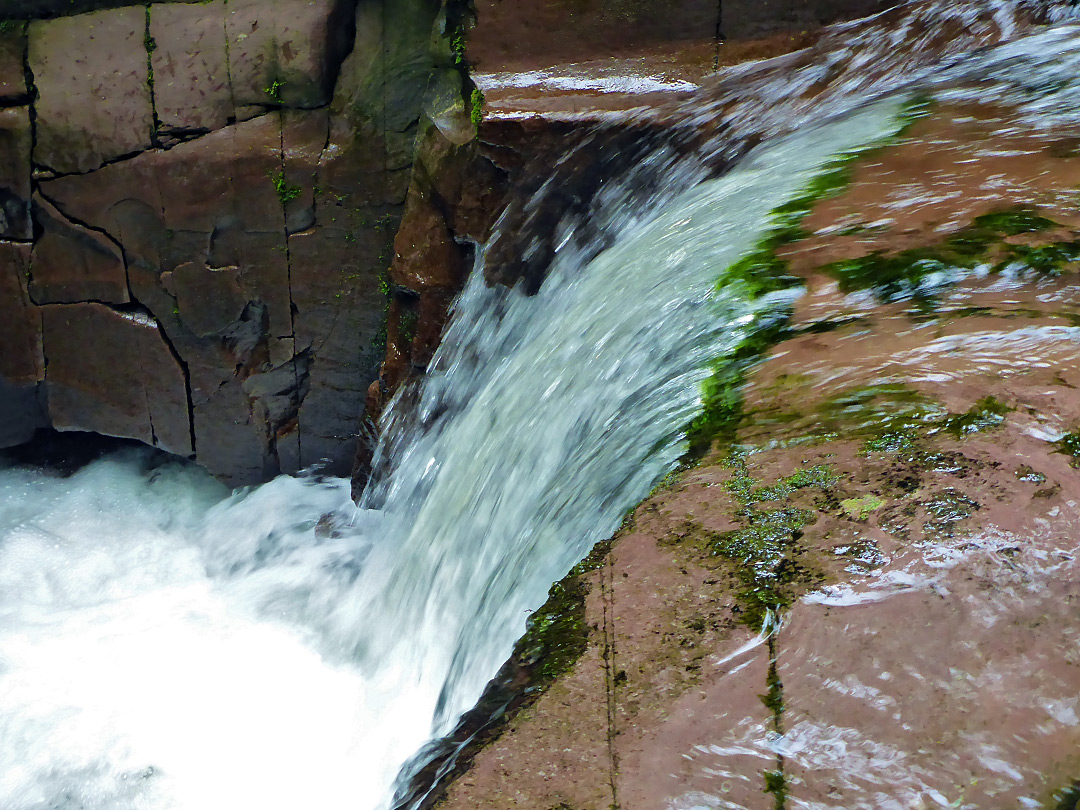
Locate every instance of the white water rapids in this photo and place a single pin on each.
(166, 644)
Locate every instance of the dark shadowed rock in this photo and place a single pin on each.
(338, 314)
(20, 321)
(93, 100)
(71, 263)
(112, 372)
(15, 146)
(12, 52)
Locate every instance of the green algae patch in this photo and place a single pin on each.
(764, 553)
(1069, 445)
(556, 635)
(919, 272)
(985, 414)
(861, 508)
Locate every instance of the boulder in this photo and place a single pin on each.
(71, 263)
(190, 59)
(93, 103)
(15, 145)
(112, 372)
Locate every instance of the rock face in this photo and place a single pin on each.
(864, 595)
(199, 233)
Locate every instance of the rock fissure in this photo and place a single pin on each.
(186, 371)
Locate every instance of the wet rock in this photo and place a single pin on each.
(112, 372)
(191, 67)
(748, 19)
(71, 263)
(15, 145)
(93, 103)
(425, 254)
(12, 51)
(338, 314)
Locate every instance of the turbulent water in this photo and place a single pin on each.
(166, 644)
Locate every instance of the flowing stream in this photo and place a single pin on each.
(167, 644)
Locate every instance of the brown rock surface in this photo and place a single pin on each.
(285, 51)
(93, 102)
(71, 263)
(191, 66)
(114, 371)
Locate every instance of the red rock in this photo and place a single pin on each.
(71, 263)
(284, 52)
(93, 100)
(191, 68)
(15, 146)
(112, 372)
(425, 253)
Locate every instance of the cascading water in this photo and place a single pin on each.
(166, 645)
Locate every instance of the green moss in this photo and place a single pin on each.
(1068, 798)
(476, 109)
(776, 784)
(273, 90)
(12, 26)
(861, 508)
(285, 192)
(907, 274)
(763, 552)
(556, 635)
(407, 325)
(1069, 444)
(985, 414)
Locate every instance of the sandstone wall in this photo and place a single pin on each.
(197, 205)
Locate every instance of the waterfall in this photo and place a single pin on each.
(166, 644)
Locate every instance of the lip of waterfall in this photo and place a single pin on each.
(615, 168)
(163, 646)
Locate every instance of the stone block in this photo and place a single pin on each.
(71, 263)
(20, 321)
(12, 51)
(15, 145)
(112, 372)
(285, 52)
(191, 67)
(93, 102)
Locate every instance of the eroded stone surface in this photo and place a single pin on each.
(93, 101)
